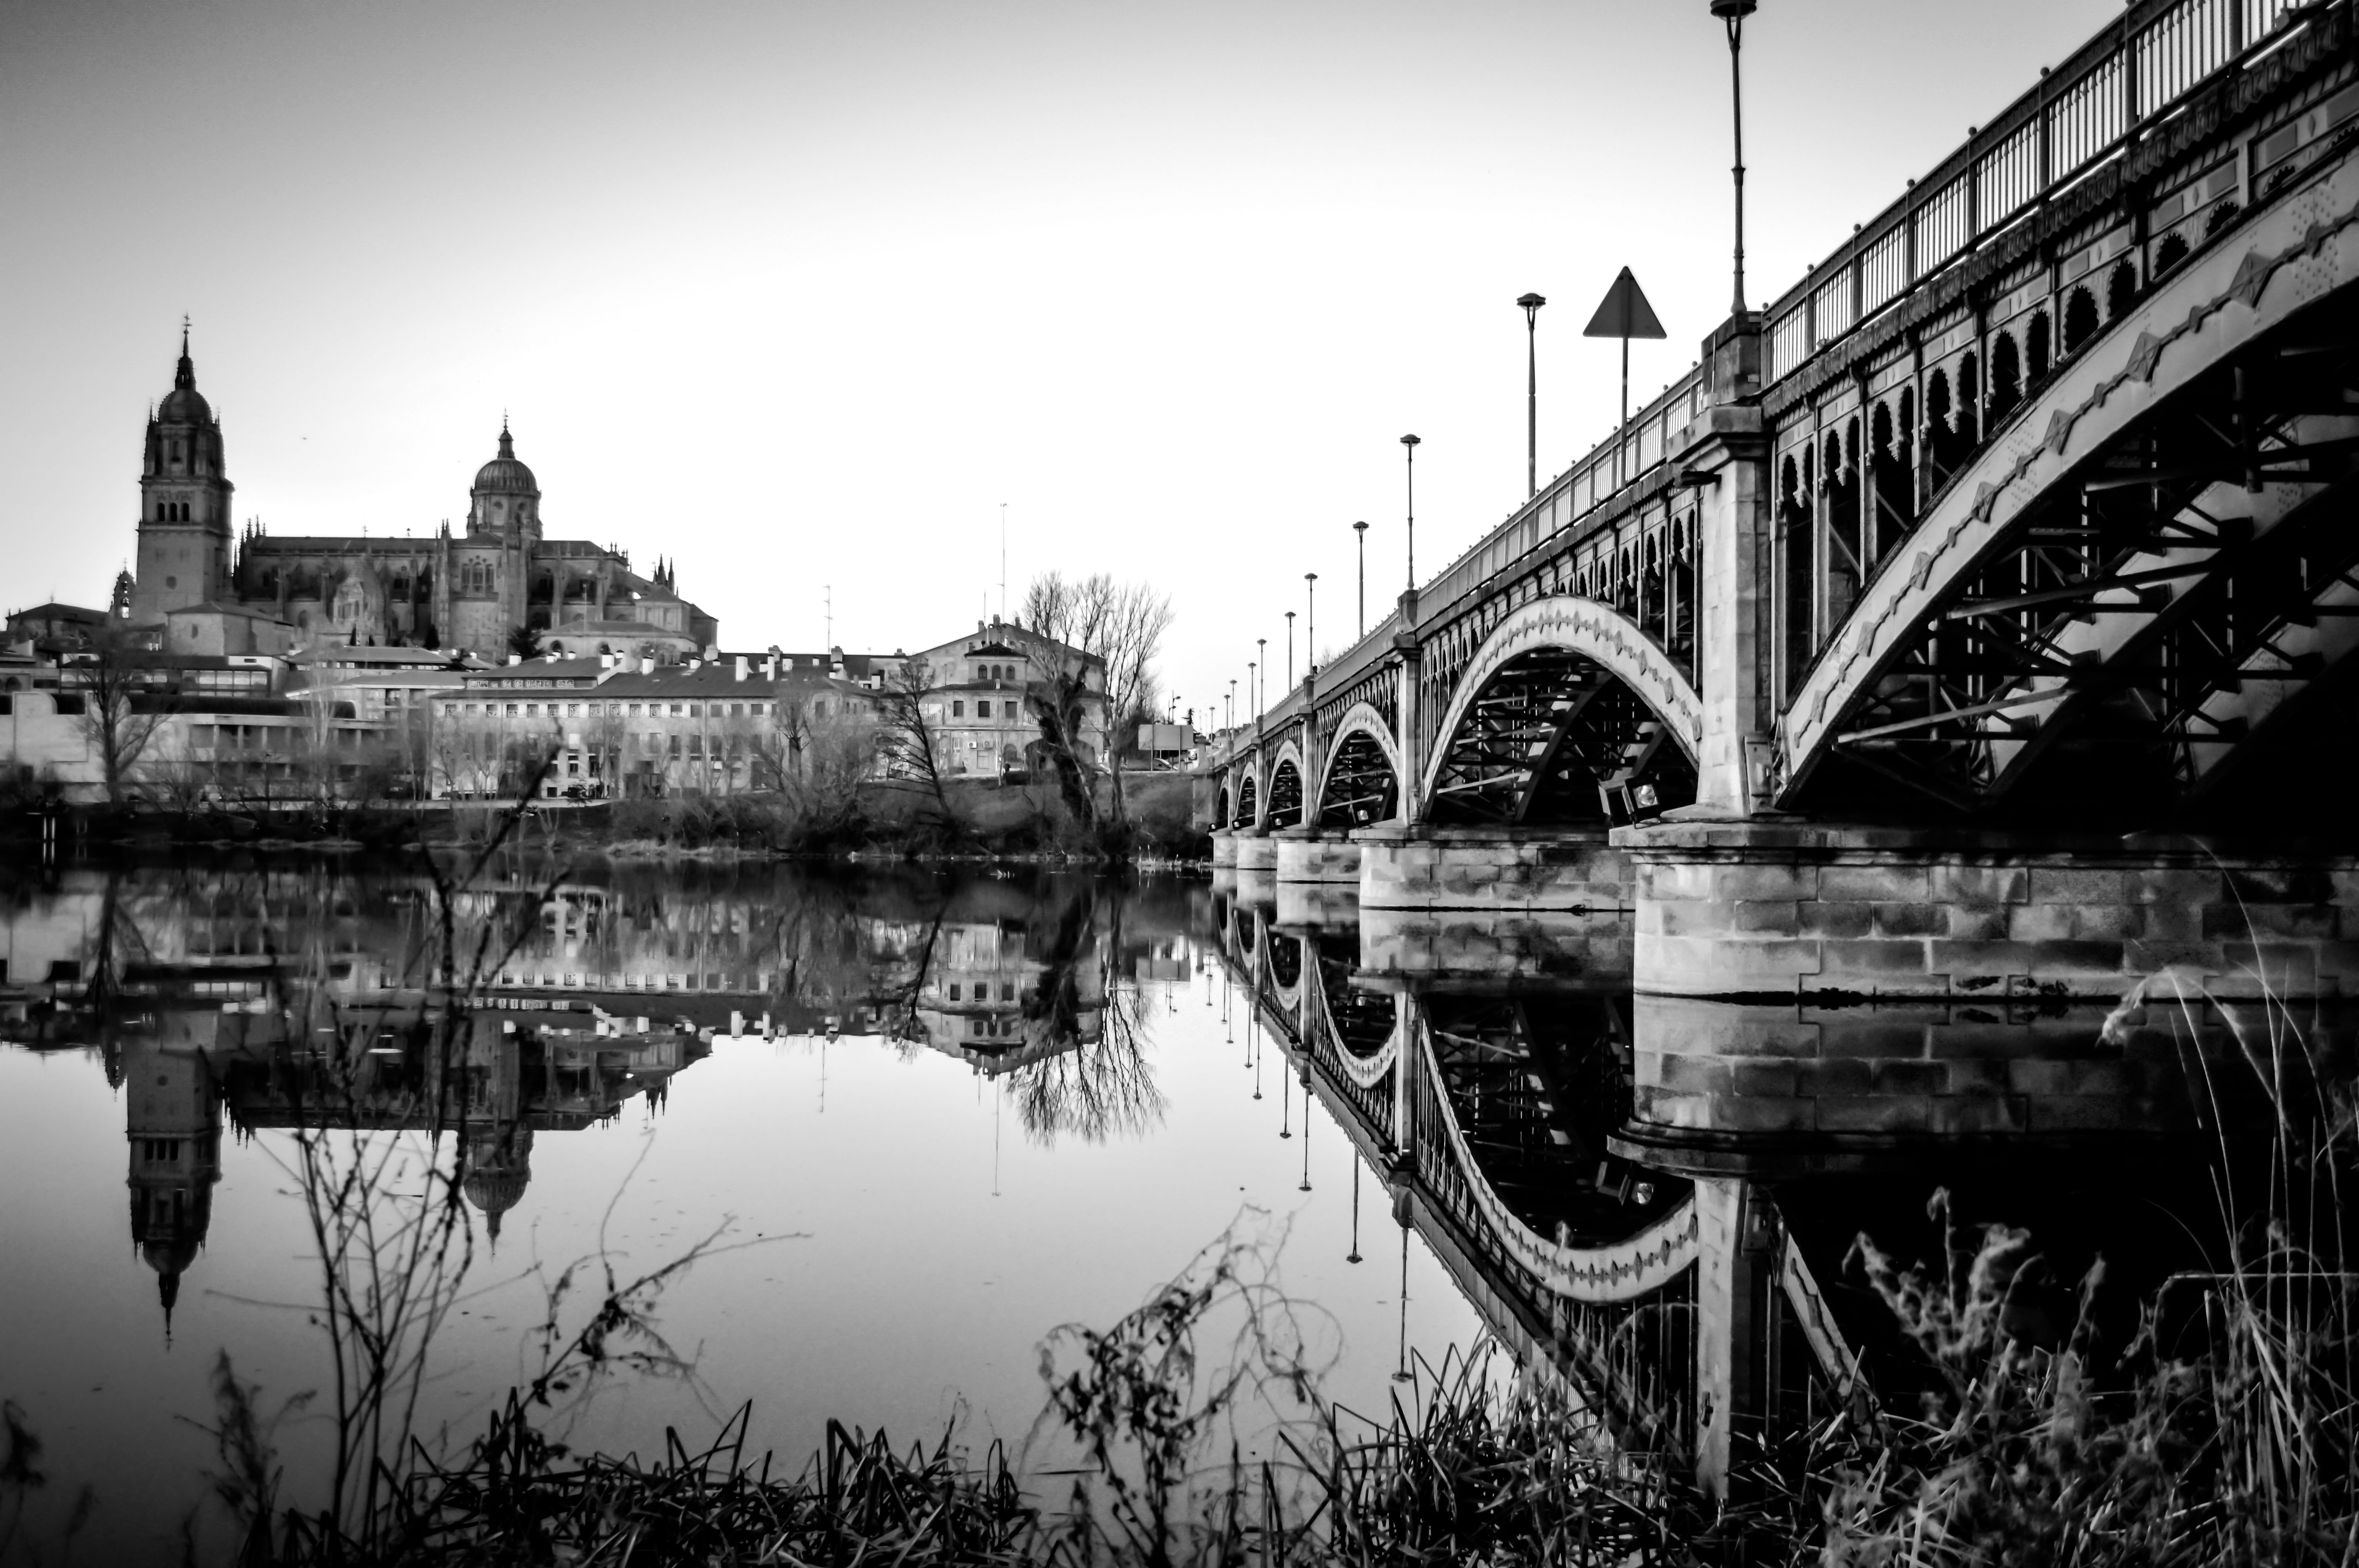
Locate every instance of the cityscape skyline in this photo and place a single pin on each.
(865, 282)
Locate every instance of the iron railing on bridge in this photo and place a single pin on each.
(2079, 118)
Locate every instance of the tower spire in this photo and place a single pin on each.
(185, 378)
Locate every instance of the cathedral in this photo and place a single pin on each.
(468, 592)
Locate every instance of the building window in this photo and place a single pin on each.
(957, 710)
(982, 710)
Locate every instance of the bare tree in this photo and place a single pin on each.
(907, 710)
(119, 716)
(1089, 639)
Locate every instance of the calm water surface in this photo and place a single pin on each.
(928, 1118)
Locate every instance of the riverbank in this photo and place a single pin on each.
(975, 819)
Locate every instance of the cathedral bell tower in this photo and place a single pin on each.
(184, 502)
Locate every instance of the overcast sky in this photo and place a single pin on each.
(800, 293)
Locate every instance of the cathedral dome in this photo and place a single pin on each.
(185, 406)
(504, 474)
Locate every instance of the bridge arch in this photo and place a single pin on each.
(1283, 806)
(1361, 781)
(2118, 586)
(1248, 798)
(1221, 805)
(1567, 705)
(1608, 1271)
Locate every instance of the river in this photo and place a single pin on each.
(874, 1134)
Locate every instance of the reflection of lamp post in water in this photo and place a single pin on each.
(1286, 1117)
(1306, 1126)
(1354, 1255)
(1402, 1376)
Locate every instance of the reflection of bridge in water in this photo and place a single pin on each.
(1490, 1109)
(1656, 1195)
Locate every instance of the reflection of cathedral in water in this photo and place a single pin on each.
(271, 999)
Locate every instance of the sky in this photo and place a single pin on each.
(800, 294)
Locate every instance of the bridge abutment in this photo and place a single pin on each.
(1311, 855)
(1507, 870)
(1257, 850)
(1224, 847)
(1806, 910)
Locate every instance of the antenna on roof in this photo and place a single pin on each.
(1002, 560)
(831, 615)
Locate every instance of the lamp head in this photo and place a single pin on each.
(1410, 441)
(1310, 577)
(1531, 302)
(1359, 528)
(1734, 10)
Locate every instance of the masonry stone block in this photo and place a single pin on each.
(1911, 920)
(1774, 1078)
(1974, 922)
(1980, 1115)
(1959, 883)
(1864, 965)
(2078, 885)
(1875, 883)
(1910, 1077)
(1889, 1114)
(1820, 918)
(2039, 922)
(1775, 917)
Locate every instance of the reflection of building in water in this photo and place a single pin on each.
(275, 999)
(992, 997)
(172, 1122)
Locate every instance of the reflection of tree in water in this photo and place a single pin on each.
(1094, 1084)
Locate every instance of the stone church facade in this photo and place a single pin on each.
(464, 591)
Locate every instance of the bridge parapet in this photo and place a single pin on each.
(2131, 84)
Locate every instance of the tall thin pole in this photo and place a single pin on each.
(1732, 13)
(1361, 530)
(1531, 304)
(1310, 623)
(1622, 431)
(1410, 444)
(1290, 650)
(1253, 693)
(1002, 560)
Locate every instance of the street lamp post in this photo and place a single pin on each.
(1230, 713)
(1531, 304)
(1732, 14)
(1411, 444)
(1290, 650)
(1253, 691)
(1310, 622)
(1361, 529)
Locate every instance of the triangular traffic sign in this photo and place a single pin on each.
(1624, 313)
